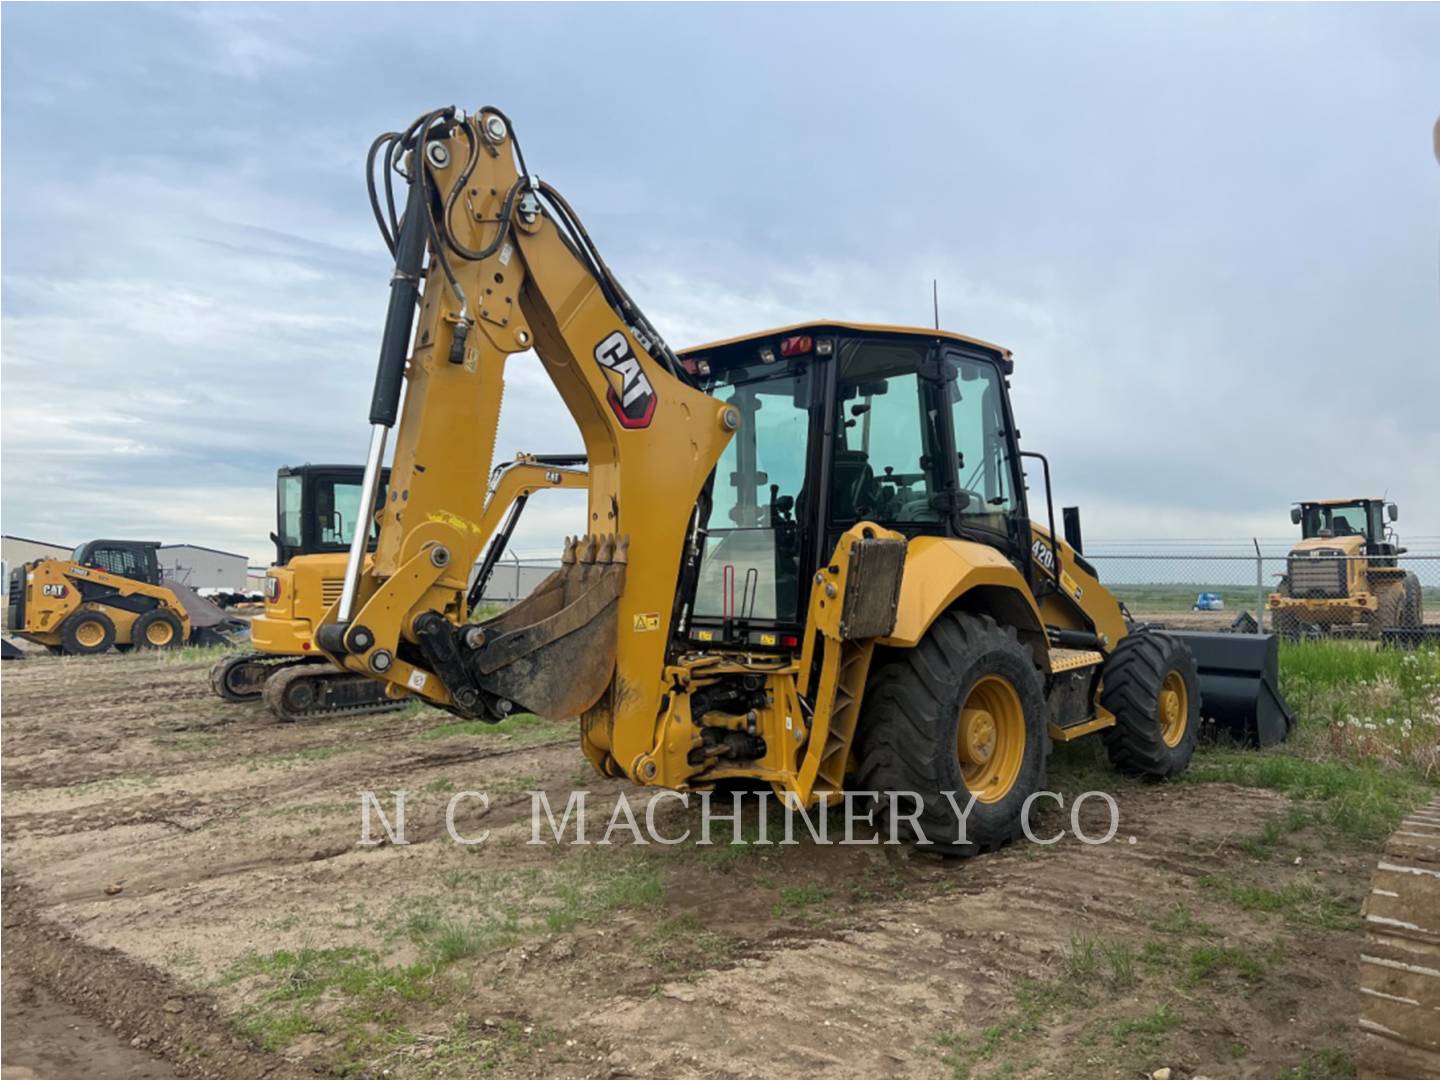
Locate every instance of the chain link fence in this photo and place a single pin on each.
(1206, 584)
(1323, 591)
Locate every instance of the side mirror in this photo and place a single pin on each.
(1295, 515)
(1392, 511)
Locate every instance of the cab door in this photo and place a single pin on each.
(987, 501)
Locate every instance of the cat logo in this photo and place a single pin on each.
(645, 623)
(631, 397)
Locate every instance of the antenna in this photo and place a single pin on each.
(935, 295)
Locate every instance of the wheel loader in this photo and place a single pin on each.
(1344, 578)
(109, 594)
(317, 514)
(811, 561)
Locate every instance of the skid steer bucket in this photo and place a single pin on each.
(554, 652)
(1240, 685)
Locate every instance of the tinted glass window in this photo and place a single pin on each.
(750, 565)
(883, 469)
(975, 391)
(290, 502)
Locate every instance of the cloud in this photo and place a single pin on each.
(1215, 261)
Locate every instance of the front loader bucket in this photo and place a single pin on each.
(1240, 684)
(553, 653)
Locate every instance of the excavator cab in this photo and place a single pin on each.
(318, 509)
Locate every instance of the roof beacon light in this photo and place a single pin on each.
(798, 345)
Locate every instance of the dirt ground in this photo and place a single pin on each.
(185, 894)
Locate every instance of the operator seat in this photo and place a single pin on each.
(853, 487)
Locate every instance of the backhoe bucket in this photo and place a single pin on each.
(553, 654)
(1240, 685)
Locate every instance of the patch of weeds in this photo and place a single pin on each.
(1034, 1001)
(1179, 920)
(442, 786)
(1359, 801)
(799, 898)
(1081, 964)
(1275, 831)
(1163, 1019)
(593, 890)
(287, 759)
(1119, 964)
(1208, 961)
(194, 741)
(512, 785)
(683, 943)
(1298, 904)
(521, 728)
(1327, 1063)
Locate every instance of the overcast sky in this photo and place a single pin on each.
(1210, 234)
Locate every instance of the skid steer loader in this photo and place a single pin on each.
(110, 594)
(811, 560)
(317, 513)
(1344, 578)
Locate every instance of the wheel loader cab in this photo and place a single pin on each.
(133, 559)
(838, 426)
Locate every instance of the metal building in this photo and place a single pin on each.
(19, 550)
(204, 568)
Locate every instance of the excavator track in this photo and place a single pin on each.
(312, 691)
(242, 677)
(1400, 961)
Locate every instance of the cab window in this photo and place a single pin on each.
(883, 468)
(291, 498)
(985, 469)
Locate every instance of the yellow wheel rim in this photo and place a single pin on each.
(159, 634)
(90, 633)
(991, 739)
(1173, 708)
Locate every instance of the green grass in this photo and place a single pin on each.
(287, 759)
(594, 889)
(1164, 1018)
(1360, 801)
(1363, 704)
(1143, 599)
(1298, 904)
(521, 728)
(799, 899)
(1327, 1063)
(1205, 962)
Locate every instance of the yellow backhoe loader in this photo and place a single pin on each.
(109, 593)
(1344, 577)
(318, 508)
(810, 560)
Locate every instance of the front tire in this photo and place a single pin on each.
(87, 633)
(963, 713)
(1151, 684)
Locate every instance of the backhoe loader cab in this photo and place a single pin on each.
(842, 425)
(1343, 577)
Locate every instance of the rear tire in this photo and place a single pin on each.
(969, 687)
(158, 629)
(1414, 603)
(87, 633)
(1389, 610)
(1151, 684)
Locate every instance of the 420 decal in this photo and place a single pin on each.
(634, 405)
